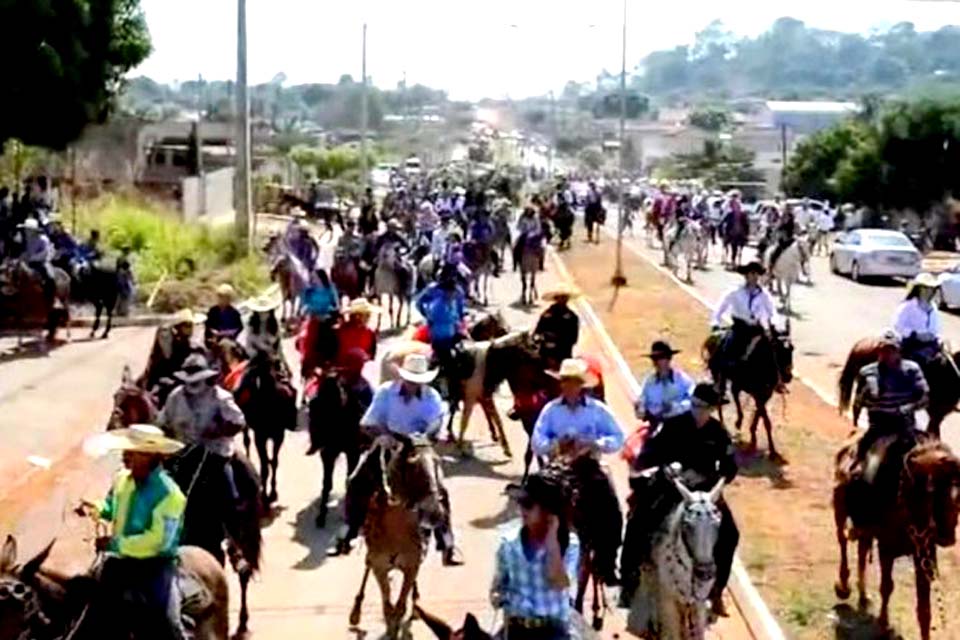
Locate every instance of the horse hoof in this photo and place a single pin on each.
(842, 591)
(863, 603)
(273, 497)
(776, 458)
(321, 520)
(355, 613)
(598, 624)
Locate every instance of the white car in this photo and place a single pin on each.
(874, 252)
(381, 174)
(950, 288)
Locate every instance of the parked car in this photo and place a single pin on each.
(874, 252)
(950, 288)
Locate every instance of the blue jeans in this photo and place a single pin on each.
(140, 595)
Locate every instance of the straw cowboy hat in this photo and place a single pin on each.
(186, 316)
(562, 290)
(575, 369)
(416, 368)
(195, 369)
(265, 302)
(923, 280)
(661, 349)
(225, 290)
(30, 224)
(361, 307)
(141, 438)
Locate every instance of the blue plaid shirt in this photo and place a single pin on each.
(521, 582)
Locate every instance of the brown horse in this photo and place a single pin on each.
(922, 516)
(291, 274)
(470, 631)
(941, 375)
(345, 275)
(409, 473)
(131, 404)
(40, 603)
(23, 305)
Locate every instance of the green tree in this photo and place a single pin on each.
(66, 60)
(813, 165)
(590, 159)
(711, 118)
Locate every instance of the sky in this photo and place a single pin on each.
(473, 49)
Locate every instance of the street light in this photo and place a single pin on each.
(619, 279)
(242, 216)
(365, 163)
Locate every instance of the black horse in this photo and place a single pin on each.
(100, 287)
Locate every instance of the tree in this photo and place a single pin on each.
(590, 159)
(813, 165)
(710, 118)
(66, 60)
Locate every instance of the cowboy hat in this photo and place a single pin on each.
(416, 369)
(195, 369)
(225, 290)
(142, 438)
(752, 267)
(30, 224)
(186, 316)
(562, 290)
(264, 302)
(575, 369)
(661, 349)
(544, 489)
(890, 338)
(361, 306)
(923, 280)
(393, 223)
(705, 394)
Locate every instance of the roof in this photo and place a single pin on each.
(811, 106)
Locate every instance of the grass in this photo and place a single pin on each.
(190, 258)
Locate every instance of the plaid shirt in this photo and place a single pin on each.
(521, 581)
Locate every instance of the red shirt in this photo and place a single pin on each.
(355, 336)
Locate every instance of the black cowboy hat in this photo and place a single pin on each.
(705, 393)
(752, 267)
(661, 349)
(544, 489)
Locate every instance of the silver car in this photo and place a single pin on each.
(864, 253)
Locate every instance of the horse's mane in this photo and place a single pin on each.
(932, 457)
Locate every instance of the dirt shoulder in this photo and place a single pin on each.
(787, 536)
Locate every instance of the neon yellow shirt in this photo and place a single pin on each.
(147, 518)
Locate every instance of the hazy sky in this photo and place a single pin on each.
(472, 48)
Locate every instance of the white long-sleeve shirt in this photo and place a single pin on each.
(753, 306)
(914, 316)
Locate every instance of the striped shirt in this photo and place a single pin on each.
(886, 391)
(520, 578)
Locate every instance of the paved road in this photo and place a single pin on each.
(301, 592)
(829, 317)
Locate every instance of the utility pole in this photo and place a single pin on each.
(783, 153)
(365, 162)
(618, 279)
(553, 135)
(244, 228)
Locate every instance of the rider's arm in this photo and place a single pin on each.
(609, 435)
(717, 318)
(376, 414)
(921, 394)
(161, 537)
(645, 401)
(558, 576)
(727, 464)
(545, 435)
(767, 309)
(901, 319)
(685, 385)
(230, 418)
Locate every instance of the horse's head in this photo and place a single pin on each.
(488, 327)
(930, 491)
(782, 346)
(411, 471)
(699, 526)
(131, 404)
(508, 355)
(21, 595)
(471, 629)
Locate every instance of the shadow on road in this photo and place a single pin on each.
(317, 541)
(756, 464)
(508, 511)
(466, 465)
(852, 624)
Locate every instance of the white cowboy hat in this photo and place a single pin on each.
(30, 224)
(575, 369)
(923, 280)
(225, 290)
(416, 368)
(562, 290)
(195, 369)
(264, 302)
(459, 191)
(142, 438)
(186, 316)
(361, 306)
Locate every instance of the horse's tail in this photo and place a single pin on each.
(855, 362)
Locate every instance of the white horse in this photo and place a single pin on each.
(787, 270)
(675, 588)
(691, 245)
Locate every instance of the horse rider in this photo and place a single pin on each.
(263, 331)
(443, 305)
(702, 447)
(752, 309)
(223, 319)
(355, 333)
(537, 563)
(481, 231)
(368, 222)
(408, 407)
(202, 414)
(558, 327)
(90, 250)
(301, 244)
(579, 427)
(427, 222)
(320, 302)
(359, 393)
(665, 396)
(917, 320)
(350, 244)
(785, 234)
(173, 344)
(38, 256)
(393, 236)
(529, 229)
(137, 591)
(593, 212)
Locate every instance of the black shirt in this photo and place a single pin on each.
(227, 319)
(559, 327)
(707, 450)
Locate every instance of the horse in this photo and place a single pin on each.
(408, 473)
(479, 258)
(653, 223)
(531, 257)
(735, 233)
(269, 405)
(690, 244)
(767, 365)
(345, 275)
(471, 629)
(290, 273)
(335, 429)
(101, 288)
(563, 221)
(676, 585)
(502, 243)
(131, 404)
(942, 377)
(23, 304)
(922, 516)
(42, 603)
(209, 518)
(394, 278)
(787, 269)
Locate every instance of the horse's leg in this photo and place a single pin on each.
(275, 466)
(97, 308)
(842, 587)
(244, 616)
(383, 581)
(923, 597)
(465, 412)
(934, 422)
(246, 440)
(261, 443)
(768, 425)
(754, 423)
(864, 545)
(496, 424)
(735, 392)
(110, 309)
(409, 580)
(358, 599)
(329, 459)
(583, 576)
(886, 584)
(595, 606)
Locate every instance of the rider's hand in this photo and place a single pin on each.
(553, 526)
(103, 543)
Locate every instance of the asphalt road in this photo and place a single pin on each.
(829, 316)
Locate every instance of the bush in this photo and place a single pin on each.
(191, 258)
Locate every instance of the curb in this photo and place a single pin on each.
(761, 622)
(132, 321)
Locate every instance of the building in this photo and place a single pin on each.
(806, 117)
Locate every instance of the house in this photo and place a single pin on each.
(806, 117)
